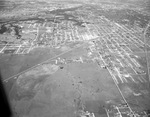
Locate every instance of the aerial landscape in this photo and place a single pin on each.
(76, 58)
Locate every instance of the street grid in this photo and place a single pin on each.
(112, 46)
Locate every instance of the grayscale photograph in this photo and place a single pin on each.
(75, 58)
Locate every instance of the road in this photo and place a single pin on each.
(41, 63)
(146, 53)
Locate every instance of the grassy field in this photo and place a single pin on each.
(67, 91)
(73, 87)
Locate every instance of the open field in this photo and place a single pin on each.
(66, 91)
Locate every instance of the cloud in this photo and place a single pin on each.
(2, 4)
(6, 4)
